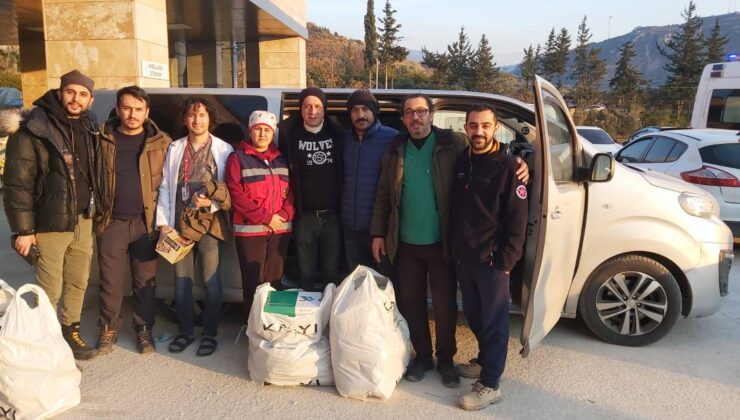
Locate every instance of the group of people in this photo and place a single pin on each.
(427, 207)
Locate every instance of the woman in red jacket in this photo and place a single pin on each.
(257, 177)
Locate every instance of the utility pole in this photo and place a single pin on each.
(609, 28)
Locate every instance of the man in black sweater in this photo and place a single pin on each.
(489, 211)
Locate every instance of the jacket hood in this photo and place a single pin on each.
(50, 102)
(10, 120)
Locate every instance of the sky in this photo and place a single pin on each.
(510, 26)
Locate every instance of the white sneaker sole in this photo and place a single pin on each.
(480, 406)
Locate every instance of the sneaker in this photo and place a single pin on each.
(417, 368)
(144, 340)
(80, 349)
(469, 370)
(450, 378)
(106, 339)
(479, 397)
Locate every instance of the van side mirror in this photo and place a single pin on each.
(602, 168)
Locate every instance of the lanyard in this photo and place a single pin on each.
(188, 146)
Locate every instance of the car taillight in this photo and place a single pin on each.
(707, 175)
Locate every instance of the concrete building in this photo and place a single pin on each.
(185, 43)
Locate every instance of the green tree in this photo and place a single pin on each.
(389, 50)
(528, 68)
(715, 44)
(440, 66)
(587, 71)
(484, 69)
(460, 55)
(560, 61)
(371, 40)
(549, 56)
(686, 58)
(627, 81)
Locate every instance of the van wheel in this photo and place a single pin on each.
(630, 301)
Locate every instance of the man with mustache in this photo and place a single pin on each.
(489, 207)
(133, 150)
(51, 184)
(364, 146)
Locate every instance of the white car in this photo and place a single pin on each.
(601, 140)
(708, 158)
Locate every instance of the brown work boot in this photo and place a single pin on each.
(144, 340)
(106, 339)
(80, 349)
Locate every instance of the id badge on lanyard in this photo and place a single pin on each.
(185, 192)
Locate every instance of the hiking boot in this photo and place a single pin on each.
(144, 340)
(417, 368)
(80, 349)
(450, 378)
(469, 370)
(106, 339)
(479, 397)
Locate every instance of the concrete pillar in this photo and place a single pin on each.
(282, 63)
(116, 42)
(33, 70)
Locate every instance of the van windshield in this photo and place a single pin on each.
(724, 109)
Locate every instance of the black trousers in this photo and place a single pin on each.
(485, 292)
(125, 242)
(415, 264)
(358, 250)
(261, 260)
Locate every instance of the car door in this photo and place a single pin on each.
(663, 155)
(557, 222)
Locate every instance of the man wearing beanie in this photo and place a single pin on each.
(312, 145)
(51, 190)
(364, 146)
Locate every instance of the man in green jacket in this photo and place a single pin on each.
(132, 150)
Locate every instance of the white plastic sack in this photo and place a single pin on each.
(6, 295)
(290, 350)
(369, 336)
(38, 375)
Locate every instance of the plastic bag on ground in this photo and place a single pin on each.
(288, 344)
(38, 374)
(369, 336)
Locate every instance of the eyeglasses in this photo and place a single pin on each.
(420, 112)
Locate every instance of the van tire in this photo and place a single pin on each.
(640, 317)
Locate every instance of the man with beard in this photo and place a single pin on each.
(489, 207)
(133, 150)
(364, 146)
(50, 185)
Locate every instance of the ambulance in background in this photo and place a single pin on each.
(717, 103)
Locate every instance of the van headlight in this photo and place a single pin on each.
(696, 205)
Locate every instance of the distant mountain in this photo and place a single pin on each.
(648, 60)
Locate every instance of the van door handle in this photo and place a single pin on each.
(556, 214)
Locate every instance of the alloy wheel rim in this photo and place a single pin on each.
(631, 303)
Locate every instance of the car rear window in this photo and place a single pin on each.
(596, 136)
(722, 155)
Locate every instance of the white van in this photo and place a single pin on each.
(629, 251)
(717, 103)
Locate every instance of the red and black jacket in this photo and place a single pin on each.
(259, 186)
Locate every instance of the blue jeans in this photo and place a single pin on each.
(206, 251)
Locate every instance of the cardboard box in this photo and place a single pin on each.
(173, 247)
(292, 302)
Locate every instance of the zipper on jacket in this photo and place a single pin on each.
(357, 180)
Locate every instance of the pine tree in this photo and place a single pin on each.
(484, 68)
(440, 64)
(549, 56)
(686, 58)
(560, 62)
(587, 71)
(389, 50)
(716, 44)
(627, 81)
(371, 40)
(529, 68)
(460, 55)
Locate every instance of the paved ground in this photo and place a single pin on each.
(693, 373)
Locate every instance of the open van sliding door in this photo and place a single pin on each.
(556, 227)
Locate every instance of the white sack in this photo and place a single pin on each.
(290, 350)
(38, 375)
(369, 337)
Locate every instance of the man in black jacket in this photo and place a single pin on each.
(489, 211)
(50, 185)
(312, 144)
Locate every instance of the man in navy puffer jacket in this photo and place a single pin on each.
(364, 147)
